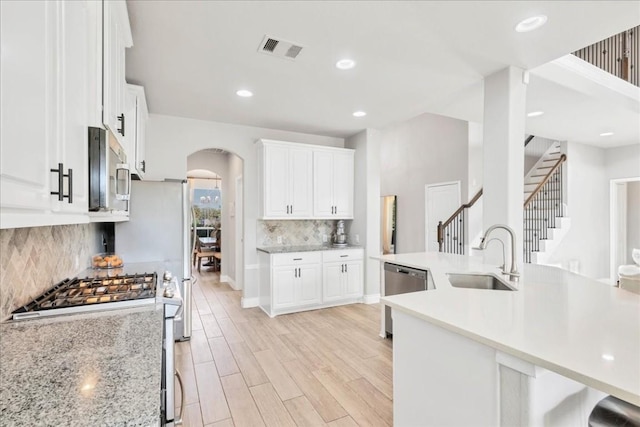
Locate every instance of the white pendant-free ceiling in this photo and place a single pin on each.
(413, 57)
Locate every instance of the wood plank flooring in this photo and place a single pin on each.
(318, 368)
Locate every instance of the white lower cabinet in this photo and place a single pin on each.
(342, 275)
(300, 281)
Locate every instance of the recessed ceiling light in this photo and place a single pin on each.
(244, 93)
(535, 114)
(359, 114)
(345, 64)
(608, 357)
(531, 23)
(606, 134)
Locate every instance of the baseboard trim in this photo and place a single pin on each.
(230, 281)
(249, 302)
(371, 299)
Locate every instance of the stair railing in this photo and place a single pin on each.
(451, 232)
(542, 207)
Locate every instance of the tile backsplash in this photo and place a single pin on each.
(33, 259)
(296, 232)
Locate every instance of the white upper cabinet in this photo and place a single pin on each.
(287, 185)
(27, 104)
(136, 117)
(303, 181)
(117, 37)
(45, 76)
(333, 171)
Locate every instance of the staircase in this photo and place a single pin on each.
(545, 214)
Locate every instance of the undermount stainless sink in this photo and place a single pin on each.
(478, 281)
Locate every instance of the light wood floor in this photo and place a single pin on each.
(321, 367)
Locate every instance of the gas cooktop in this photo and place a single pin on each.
(77, 295)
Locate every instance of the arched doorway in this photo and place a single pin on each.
(214, 173)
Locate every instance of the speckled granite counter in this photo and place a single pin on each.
(98, 369)
(287, 249)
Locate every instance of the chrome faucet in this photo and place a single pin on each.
(513, 274)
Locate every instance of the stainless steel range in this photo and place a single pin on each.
(92, 293)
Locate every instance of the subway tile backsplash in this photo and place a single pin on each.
(33, 259)
(295, 232)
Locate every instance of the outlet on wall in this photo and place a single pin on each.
(324, 238)
(279, 239)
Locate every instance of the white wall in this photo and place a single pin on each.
(474, 214)
(366, 223)
(587, 241)
(170, 140)
(235, 171)
(427, 149)
(623, 162)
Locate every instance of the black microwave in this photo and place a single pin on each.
(109, 175)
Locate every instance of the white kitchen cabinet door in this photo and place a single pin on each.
(284, 287)
(276, 181)
(287, 174)
(136, 114)
(343, 169)
(333, 183)
(117, 37)
(142, 117)
(332, 282)
(353, 279)
(27, 104)
(323, 184)
(309, 286)
(300, 181)
(72, 148)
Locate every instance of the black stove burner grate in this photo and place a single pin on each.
(90, 291)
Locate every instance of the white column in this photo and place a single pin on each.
(503, 156)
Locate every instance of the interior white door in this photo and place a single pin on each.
(441, 200)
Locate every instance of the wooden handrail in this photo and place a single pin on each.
(463, 207)
(528, 140)
(562, 159)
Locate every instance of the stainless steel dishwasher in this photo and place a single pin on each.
(399, 279)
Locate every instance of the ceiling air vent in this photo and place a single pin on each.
(279, 48)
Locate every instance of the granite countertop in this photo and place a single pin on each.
(304, 248)
(93, 369)
(570, 324)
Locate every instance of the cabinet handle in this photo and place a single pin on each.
(59, 193)
(297, 259)
(143, 166)
(287, 209)
(341, 268)
(61, 177)
(121, 120)
(346, 268)
(69, 176)
(299, 273)
(295, 272)
(291, 208)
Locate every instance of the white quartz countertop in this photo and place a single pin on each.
(575, 326)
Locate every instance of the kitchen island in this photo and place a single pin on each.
(544, 353)
(93, 369)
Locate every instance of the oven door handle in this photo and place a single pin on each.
(178, 421)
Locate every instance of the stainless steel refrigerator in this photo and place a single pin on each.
(159, 229)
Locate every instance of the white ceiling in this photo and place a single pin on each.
(412, 57)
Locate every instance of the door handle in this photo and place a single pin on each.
(178, 421)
